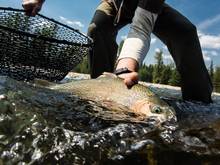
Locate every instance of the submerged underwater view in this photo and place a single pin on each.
(43, 126)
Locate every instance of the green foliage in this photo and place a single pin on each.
(146, 73)
(169, 75)
(160, 73)
(158, 68)
(217, 75)
(216, 79)
(166, 74)
(83, 67)
(211, 71)
(175, 78)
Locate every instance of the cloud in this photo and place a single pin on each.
(210, 53)
(209, 41)
(124, 37)
(209, 22)
(165, 48)
(206, 57)
(157, 50)
(167, 57)
(72, 23)
(153, 40)
(214, 53)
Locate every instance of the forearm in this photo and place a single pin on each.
(137, 44)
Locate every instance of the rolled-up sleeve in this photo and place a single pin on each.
(137, 44)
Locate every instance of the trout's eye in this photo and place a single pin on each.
(157, 110)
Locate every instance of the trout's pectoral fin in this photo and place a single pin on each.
(120, 110)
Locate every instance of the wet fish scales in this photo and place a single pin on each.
(139, 98)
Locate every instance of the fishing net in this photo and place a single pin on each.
(38, 47)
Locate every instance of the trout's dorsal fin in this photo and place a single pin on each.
(108, 74)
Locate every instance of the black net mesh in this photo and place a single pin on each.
(38, 47)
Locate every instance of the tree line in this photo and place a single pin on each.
(161, 73)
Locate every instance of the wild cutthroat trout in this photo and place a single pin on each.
(111, 89)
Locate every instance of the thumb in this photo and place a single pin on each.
(131, 79)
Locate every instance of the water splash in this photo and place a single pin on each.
(41, 126)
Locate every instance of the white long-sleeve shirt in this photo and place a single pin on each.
(137, 44)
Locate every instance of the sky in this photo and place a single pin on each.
(205, 14)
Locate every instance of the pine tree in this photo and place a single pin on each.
(142, 73)
(166, 74)
(216, 79)
(175, 79)
(158, 68)
(150, 73)
(211, 71)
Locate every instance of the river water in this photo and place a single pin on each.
(40, 126)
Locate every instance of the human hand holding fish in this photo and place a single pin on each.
(131, 77)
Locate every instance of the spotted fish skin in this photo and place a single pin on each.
(109, 88)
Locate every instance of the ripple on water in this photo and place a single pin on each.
(54, 128)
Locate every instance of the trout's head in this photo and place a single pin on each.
(157, 110)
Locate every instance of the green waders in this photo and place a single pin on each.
(172, 28)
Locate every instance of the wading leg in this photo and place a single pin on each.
(103, 32)
(181, 38)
